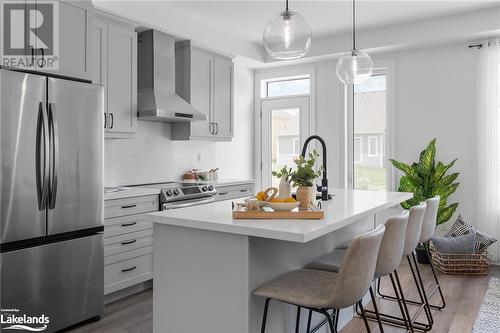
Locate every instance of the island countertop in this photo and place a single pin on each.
(346, 207)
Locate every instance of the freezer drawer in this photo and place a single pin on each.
(63, 281)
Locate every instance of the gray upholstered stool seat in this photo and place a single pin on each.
(304, 287)
(329, 262)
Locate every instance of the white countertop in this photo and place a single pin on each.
(130, 192)
(346, 207)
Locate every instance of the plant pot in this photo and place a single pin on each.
(422, 257)
(305, 194)
(285, 188)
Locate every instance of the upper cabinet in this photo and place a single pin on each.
(205, 80)
(70, 51)
(115, 68)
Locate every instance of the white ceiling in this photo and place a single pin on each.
(246, 19)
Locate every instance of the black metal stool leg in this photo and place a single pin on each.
(364, 316)
(264, 318)
(408, 316)
(417, 285)
(422, 287)
(435, 279)
(297, 322)
(309, 321)
(403, 315)
(377, 314)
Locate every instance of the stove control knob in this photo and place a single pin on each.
(169, 193)
(210, 188)
(204, 188)
(176, 191)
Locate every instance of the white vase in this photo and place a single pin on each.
(285, 188)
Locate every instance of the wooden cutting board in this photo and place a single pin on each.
(240, 212)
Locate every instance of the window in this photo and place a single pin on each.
(296, 146)
(369, 116)
(358, 150)
(372, 146)
(288, 86)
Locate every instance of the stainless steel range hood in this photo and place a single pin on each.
(156, 97)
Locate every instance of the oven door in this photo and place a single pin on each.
(187, 203)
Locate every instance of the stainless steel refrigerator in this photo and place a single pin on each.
(51, 199)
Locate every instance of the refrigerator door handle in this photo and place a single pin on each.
(54, 155)
(41, 158)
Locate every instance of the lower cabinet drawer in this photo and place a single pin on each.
(128, 272)
(127, 242)
(233, 192)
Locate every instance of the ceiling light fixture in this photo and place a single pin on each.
(287, 35)
(354, 67)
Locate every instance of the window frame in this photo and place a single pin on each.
(380, 68)
(376, 145)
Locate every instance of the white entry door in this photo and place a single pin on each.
(286, 123)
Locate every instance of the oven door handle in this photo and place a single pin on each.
(168, 206)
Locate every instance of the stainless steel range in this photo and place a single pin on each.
(181, 194)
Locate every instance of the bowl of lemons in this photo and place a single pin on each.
(283, 204)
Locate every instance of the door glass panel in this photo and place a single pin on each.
(285, 125)
(370, 113)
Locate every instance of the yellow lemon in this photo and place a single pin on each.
(289, 200)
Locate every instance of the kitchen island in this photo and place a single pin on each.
(206, 264)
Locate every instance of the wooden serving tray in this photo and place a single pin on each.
(240, 212)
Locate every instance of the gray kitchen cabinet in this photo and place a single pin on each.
(115, 59)
(74, 36)
(205, 80)
(226, 192)
(75, 40)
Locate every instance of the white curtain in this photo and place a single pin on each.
(487, 131)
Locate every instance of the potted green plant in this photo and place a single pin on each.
(304, 177)
(426, 179)
(285, 186)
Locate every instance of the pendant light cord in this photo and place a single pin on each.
(286, 5)
(353, 24)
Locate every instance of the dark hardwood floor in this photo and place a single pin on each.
(463, 294)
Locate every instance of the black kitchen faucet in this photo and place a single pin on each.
(324, 183)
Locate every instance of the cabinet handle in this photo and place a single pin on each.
(210, 128)
(129, 242)
(222, 193)
(129, 269)
(105, 120)
(244, 190)
(128, 224)
(129, 206)
(216, 128)
(112, 121)
(43, 57)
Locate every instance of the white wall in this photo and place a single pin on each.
(151, 156)
(432, 97)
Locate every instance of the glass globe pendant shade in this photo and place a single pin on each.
(287, 36)
(354, 67)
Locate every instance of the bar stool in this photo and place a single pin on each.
(320, 291)
(412, 239)
(389, 258)
(428, 227)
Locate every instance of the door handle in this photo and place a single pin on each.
(128, 224)
(42, 169)
(112, 121)
(132, 241)
(129, 206)
(54, 155)
(129, 269)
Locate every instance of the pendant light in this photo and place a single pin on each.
(354, 67)
(287, 35)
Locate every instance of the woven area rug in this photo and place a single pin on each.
(488, 318)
